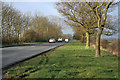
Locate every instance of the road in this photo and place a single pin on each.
(14, 54)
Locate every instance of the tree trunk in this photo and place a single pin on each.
(87, 40)
(98, 42)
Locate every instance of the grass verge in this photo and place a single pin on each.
(69, 61)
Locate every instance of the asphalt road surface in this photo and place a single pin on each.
(14, 54)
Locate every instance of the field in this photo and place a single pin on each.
(69, 61)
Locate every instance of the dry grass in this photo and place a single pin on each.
(113, 48)
(104, 43)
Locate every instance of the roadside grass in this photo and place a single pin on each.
(69, 61)
(20, 44)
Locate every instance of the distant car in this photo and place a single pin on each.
(59, 39)
(52, 40)
(66, 40)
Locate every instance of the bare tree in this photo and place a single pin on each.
(100, 14)
(45, 28)
(79, 34)
(77, 14)
(13, 24)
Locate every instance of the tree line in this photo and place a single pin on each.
(89, 20)
(18, 27)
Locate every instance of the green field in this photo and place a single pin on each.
(69, 61)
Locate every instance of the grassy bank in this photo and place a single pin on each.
(19, 44)
(69, 61)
